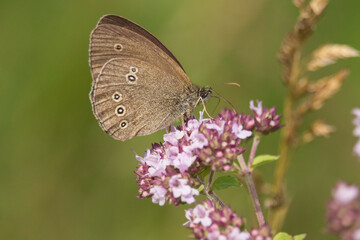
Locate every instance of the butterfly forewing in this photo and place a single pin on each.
(126, 39)
(125, 23)
(132, 97)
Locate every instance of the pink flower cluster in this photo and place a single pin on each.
(266, 120)
(356, 121)
(209, 223)
(261, 233)
(167, 171)
(343, 212)
(165, 179)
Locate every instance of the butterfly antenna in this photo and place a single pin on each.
(229, 83)
(223, 98)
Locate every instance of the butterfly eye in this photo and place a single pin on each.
(204, 93)
(123, 124)
(120, 111)
(118, 47)
(116, 97)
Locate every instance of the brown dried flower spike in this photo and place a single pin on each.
(318, 129)
(329, 54)
(304, 94)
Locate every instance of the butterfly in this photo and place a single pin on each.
(138, 85)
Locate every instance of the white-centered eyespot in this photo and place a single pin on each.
(123, 124)
(131, 78)
(117, 96)
(120, 111)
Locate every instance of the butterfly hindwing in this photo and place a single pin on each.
(132, 97)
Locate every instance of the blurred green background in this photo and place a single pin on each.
(61, 177)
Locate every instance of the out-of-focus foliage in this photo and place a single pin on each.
(61, 177)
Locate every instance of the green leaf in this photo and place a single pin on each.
(237, 166)
(224, 182)
(200, 188)
(262, 159)
(300, 236)
(205, 172)
(283, 236)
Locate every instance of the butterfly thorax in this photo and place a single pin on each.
(196, 96)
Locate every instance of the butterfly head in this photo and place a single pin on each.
(205, 93)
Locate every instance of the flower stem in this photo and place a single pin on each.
(242, 163)
(214, 195)
(210, 181)
(211, 195)
(252, 190)
(253, 150)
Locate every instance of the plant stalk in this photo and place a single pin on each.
(253, 150)
(252, 190)
(277, 213)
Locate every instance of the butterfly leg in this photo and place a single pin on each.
(202, 100)
(183, 122)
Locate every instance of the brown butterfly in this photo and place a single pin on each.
(138, 85)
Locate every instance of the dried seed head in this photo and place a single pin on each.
(327, 89)
(329, 54)
(299, 3)
(301, 87)
(289, 52)
(318, 6)
(321, 91)
(318, 129)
